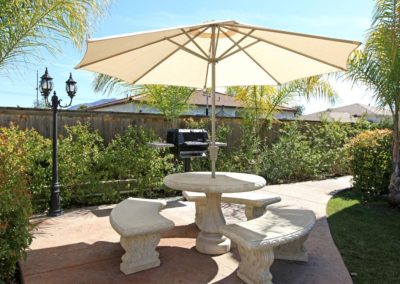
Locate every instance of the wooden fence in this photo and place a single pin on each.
(108, 124)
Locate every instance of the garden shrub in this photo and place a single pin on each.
(36, 161)
(242, 158)
(327, 142)
(15, 205)
(78, 157)
(38, 151)
(304, 152)
(129, 156)
(291, 158)
(301, 152)
(369, 155)
(245, 158)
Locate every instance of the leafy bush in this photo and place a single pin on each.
(301, 152)
(15, 205)
(305, 152)
(79, 154)
(291, 158)
(327, 142)
(129, 156)
(37, 161)
(38, 151)
(246, 157)
(369, 155)
(243, 158)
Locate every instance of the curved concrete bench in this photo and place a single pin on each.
(256, 202)
(139, 223)
(279, 232)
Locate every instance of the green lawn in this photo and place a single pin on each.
(367, 236)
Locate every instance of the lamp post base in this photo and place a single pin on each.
(55, 213)
(55, 202)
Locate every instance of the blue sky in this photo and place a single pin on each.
(348, 19)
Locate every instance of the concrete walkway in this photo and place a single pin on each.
(81, 246)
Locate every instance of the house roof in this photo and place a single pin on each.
(360, 109)
(198, 98)
(348, 113)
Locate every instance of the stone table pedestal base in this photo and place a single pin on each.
(212, 243)
(210, 240)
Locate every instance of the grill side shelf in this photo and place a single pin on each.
(160, 145)
(170, 145)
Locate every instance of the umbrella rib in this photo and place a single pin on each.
(182, 47)
(205, 81)
(155, 65)
(239, 41)
(290, 33)
(195, 43)
(216, 43)
(291, 50)
(251, 57)
(136, 48)
(236, 51)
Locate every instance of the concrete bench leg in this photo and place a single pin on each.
(294, 250)
(254, 265)
(140, 253)
(253, 212)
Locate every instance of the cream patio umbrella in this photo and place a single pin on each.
(218, 53)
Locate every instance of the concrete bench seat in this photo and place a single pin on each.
(279, 233)
(256, 202)
(139, 223)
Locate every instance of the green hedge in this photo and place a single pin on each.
(15, 204)
(129, 156)
(369, 155)
(309, 151)
(291, 158)
(300, 153)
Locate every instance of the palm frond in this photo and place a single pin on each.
(111, 85)
(316, 87)
(378, 65)
(26, 26)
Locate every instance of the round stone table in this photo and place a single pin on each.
(210, 240)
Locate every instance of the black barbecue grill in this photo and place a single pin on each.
(188, 143)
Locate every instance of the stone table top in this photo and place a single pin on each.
(223, 182)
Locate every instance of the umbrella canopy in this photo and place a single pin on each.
(219, 53)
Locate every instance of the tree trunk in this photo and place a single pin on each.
(394, 186)
(174, 122)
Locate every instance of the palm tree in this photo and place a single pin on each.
(27, 25)
(261, 102)
(378, 67)
(171, 101)
(258, 101)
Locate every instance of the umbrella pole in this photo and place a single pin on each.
(213, 149)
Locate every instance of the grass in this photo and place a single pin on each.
(367, 235)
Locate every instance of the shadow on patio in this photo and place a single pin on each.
(99, 263)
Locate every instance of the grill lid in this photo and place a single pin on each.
(188, 142)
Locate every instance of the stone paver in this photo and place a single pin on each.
(81, 246)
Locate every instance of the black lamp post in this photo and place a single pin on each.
(46, 86)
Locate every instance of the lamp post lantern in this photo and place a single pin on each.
(46, 86)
